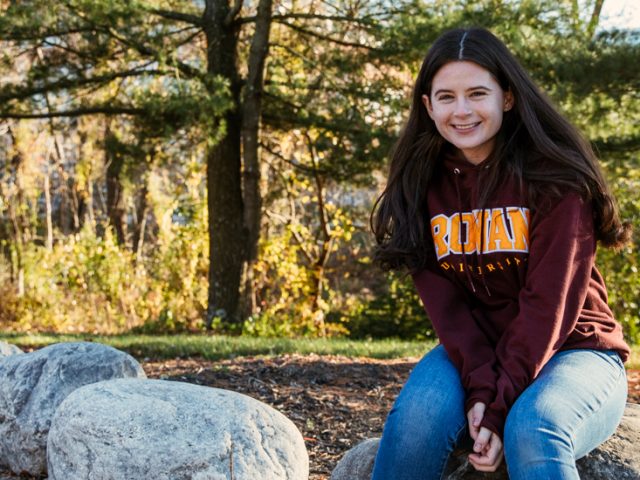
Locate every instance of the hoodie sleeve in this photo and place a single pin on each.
(464, 341)
(561, 255)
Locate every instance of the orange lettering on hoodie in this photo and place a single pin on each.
(519, 220)
(472, 241)
(498, 236)
(502, 233)
(455, 244)
(439, 231)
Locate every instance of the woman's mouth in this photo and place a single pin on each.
(465, 126)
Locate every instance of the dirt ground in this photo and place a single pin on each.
(334, 401)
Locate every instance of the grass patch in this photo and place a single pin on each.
(214, 347)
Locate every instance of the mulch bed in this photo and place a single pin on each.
(334, 401)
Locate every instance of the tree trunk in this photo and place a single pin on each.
(47, 206)
(226, 233)
(595, 18)
(251, 107)
(324, 241)
(141, 222)
(19, 223)
(85, 208)
(115, 208)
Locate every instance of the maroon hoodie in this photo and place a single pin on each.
(504, 298)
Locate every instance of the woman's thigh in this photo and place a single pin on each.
(573, 406)
(425, 423)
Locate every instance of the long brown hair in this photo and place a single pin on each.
(535, 142)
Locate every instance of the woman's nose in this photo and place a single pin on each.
(462, 107)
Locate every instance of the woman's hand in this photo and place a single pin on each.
(488, 451)
(487, 445)
(474, 417)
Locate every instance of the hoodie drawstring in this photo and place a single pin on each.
(480, 259)
(456, 171)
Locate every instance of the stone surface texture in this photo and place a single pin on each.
(7, 349)
(357, 463)
(618, 458)
(165, 430)
(32, 386)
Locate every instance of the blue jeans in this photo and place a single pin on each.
(573, 406)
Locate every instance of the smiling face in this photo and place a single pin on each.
(467, 104)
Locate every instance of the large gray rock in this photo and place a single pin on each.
(7, 349)
(162, 430)
(618, 458)
(34, 384)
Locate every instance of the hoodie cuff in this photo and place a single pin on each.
(494, 421)
(483, 395)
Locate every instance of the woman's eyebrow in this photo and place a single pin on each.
(478, 87)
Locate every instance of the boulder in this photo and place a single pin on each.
(7, 349)
(166, 430)
(32, 386)
(618, 457)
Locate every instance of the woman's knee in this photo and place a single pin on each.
(431, 403)
(418, 437)
(432, 416)
(532, 437)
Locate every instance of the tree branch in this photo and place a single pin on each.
(233, 13)
(595, 18)
(20, 94)
(104, 110)
(309, 16)
(29, 34)
(326, 37)
(298, 166)
(366, 20)
(179, 16)
(186, 69)
(64, 48)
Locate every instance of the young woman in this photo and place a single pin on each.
(495, 203)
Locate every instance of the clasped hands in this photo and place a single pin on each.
(487, 446)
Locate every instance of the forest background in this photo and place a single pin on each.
(209, 165)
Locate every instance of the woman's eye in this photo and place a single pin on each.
(478, 94)
(444, 98)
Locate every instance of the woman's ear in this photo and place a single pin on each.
(508, 100)
(427, 104)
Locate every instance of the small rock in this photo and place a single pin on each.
(618, 457)
(32, 386)
(7, 349)
(165, 430)
(357, 463)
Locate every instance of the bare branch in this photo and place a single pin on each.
(326, 37)
(64, 48)
(324, 225)
(103, 110)
(298, 166)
